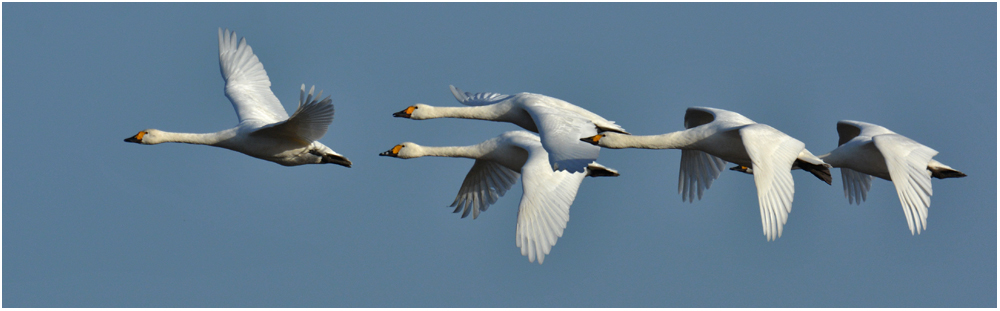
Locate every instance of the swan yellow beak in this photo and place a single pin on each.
(406, 113)
(743, 169)
(592, 139)
(137, 138)
(394, 152)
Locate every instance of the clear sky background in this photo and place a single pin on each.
(92, 221)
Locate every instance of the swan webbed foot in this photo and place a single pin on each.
(821, 171)
(597, 170)
(942, 173)
(336, 159)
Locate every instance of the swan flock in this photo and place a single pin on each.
(560, 147)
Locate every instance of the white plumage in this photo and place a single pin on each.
(865, 150)
(264, 130)
(714, 136)
(544, 208)
(559, 123)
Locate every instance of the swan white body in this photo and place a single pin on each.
(548, 194)
(559, 123)
(715, 136)
(264, 131)
(865, 150)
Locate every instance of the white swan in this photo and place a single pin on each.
(559, 123)
(548, 194)
(264, 131)
(865, 150)
(714, 136)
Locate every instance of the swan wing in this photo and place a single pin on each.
(309, 122)
(907, 162)
(560, 130)
(486, 182)
(772, 154)
(698, 170)
(856, 185)
(598, 121)
(848, 130)
(247, 84)
(697, 116)
(544, 208)
(477, 99)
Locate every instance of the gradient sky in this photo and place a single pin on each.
(91, 221)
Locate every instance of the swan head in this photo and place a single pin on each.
(414, 112)
(405, 150)
(147, 137)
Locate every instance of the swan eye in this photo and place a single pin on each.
(410, 109)
(395, 150)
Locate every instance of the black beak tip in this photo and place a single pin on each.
(387, 154)
(131, 140)
(401, 114)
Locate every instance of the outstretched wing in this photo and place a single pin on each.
(309, 122)
(907, 162)
(560, 130)
(544, 207)
(848, 129)
(698, 170)
(476, 99)
(698, 116)
(772, 154)
(486, 182)
(247, 84)
(856, 185)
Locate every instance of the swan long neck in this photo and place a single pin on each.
(489, 112)
(211, 139)
(472, 152)
(674, 140)
(499, 112)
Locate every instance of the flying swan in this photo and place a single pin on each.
(715, 136)
(867, 150)
(547, 196)
(559, 123)
(264, 131)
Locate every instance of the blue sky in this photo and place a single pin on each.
(91, 221)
